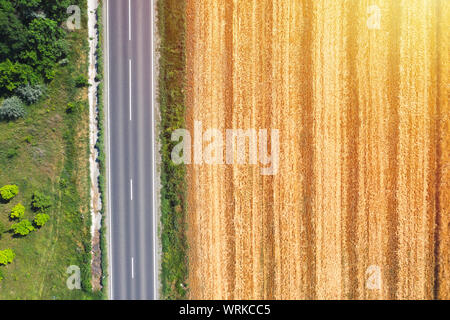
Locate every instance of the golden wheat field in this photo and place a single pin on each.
(360, 205)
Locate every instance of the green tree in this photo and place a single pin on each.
(8, 192)
(14, 75)
(6, 256)
(27, 8)
(17, 212)
(13, 35)
(40, 202)
(12, 109)
(41, 219)
(57, 9)
(46, 45)
(22, 227)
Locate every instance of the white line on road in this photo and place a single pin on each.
(129, 20)
(129, 64)
(132, 268)
(131, 189)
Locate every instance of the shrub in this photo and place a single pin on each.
(17, 212)
(30, 94)
(12, 109)
(40, 202)
(12, 153)
(71, 107)
(8, 192)
(1, 275)
(81, 81)
(41, 219)
(23, 227)
(13, 75)
(6, 256)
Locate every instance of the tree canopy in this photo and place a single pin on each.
(17, 212)
(8, 192)
(7, 256)
(32, 41)
(41, 219)
(22, 227)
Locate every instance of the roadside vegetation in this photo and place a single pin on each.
(45, 221)
(100, 146)
(174, 261)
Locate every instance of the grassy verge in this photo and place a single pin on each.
(174, 262)
(101, 147)
(48, 151)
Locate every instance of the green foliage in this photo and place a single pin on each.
(171, 27)
(18, 211)
(32, 41)
(57, 149)
(12, 32)
(14, 75)
(29, 93)
(12, 109)
(40, 202)
(41, 219)
(22, 227)
(100, 146)
(81, 81)
(8, 192)
(46, 45)
(1, 275)
(71, 107)
(6, 256)
(12, 152)
(57, 9)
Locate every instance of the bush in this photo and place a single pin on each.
(1, 275)
(17, 212)
(6, 256)
(8, 192)
(41, 219)
(13, 75)
(81, 81)
(12, 109)
(71, 107)
(12, 153)
(23, 227)
(30, 94)
(40, 202)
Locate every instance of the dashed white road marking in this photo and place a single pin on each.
(129, 67)
(129, 20)
(131, 189)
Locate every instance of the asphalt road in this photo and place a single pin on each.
(130, 121)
